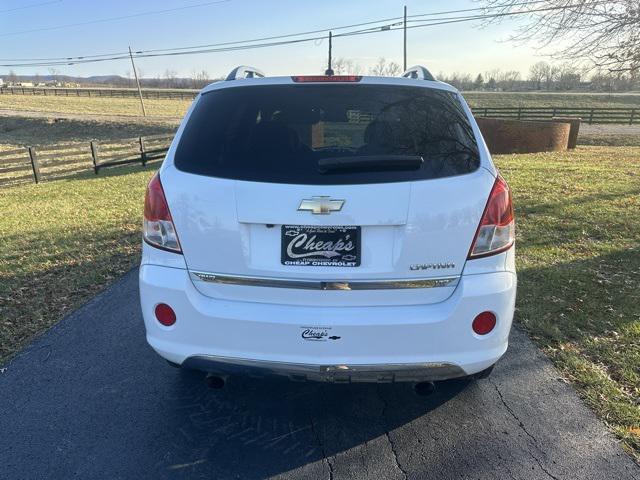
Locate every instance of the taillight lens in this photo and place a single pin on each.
(496, 232)
(158, 229)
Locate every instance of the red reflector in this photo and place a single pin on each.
(326, 78)
(484, 323)
(165, 314)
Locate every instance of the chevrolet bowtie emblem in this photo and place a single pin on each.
(320, 205)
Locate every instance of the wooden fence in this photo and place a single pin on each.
(182, 94)
(37, 164)
(627, 116)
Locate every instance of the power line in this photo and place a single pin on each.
(251, 44)
(275, 37)
(191, 52)
(475, 9)
(33, 5)
(193, 47)
(112, 19)
(117, 55)
(469, 18)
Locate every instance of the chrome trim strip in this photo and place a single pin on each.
(225, 279)
(382, 373)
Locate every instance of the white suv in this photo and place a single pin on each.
(337, 228)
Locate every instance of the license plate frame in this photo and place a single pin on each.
(320, 246)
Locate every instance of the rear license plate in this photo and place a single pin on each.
(306, 245)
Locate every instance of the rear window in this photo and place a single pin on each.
(327, 134)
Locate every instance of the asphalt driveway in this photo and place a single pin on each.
(89, 399)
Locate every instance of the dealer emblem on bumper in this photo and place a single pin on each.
(317, 334)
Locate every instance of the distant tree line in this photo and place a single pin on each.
(542, 76)
(169, 79)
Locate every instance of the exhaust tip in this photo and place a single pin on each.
(424, 388)
(214, 382)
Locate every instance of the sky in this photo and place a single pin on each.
(49, 28)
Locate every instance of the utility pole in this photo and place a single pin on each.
(135, 74)
(404, 50)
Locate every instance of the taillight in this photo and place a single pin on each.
(326, 78)
(158, 229)
(496, 232)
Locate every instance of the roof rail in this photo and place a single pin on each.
(243, 71)
(419, 72)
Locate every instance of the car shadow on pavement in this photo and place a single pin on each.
(256, 428)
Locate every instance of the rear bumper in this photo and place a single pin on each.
(389, 373)
(368, 343)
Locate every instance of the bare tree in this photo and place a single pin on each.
(339, 66)
(354, 68)
(494, 74)
(498, 79)
(604, 34)
(612, 82)
(379, 68)
(537, 73)
(199, 79)
(12, 78)
(384, 69)
(509, 80)
(478, 83)
(54, 72)
(462, 81)
(140, 73)
(393, 69)
(343, 66)
(170, 77)
(551, 75)
(194, 78)
(203, 77)
(568, 78)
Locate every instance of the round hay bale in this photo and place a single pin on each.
(518, 136)
(573, 132)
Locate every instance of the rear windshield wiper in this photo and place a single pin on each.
(370, 162)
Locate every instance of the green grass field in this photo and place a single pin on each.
(129, 107)
(578, 259)
(578, 248)
(535, 99)
(25, 131)
(64, 241)
(177, 108)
